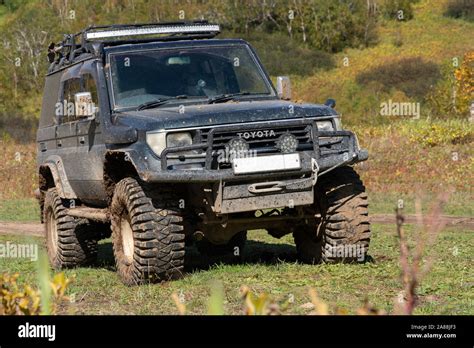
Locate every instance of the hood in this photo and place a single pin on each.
(196, 115)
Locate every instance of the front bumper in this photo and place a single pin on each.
(208, 175)
(344, 152)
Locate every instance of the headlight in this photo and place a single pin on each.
(159, 141)
(156, 141)
(325, 126)
(179, 139)
(337, 123)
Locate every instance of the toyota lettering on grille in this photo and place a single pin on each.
(257, 134)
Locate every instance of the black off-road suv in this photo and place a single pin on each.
(161, 135)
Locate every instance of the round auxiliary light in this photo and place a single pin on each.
(237, 145)
(287, 143)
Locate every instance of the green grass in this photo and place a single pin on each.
(26, 209)
(270, 266)
(3, 12)
(459, 204)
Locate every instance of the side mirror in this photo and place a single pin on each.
(84, 105)
(283, 87)
(331, 103)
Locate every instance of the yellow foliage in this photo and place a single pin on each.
(59, 285)
(255, 305)
(15, 300)
(263, 304)
(435, 135)
(320, 307)
(465, 82)
(438, 133)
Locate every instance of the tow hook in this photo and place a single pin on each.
(264, 187)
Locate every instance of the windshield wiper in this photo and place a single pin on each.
(159, 102)
(221, 98)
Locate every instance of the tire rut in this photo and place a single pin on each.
(36, 229)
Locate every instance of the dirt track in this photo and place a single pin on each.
(36, 229)
(21, 228)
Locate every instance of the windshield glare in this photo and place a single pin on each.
(199, 72)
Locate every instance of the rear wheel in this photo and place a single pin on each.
(147, 234)
(70, 241)
(343, 232)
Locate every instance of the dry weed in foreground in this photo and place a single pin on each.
(411, 260)
(179, 303)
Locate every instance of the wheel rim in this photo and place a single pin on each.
(127, 238)
(53, 232)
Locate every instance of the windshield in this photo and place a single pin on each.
(198, 72)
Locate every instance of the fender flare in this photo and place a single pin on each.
(56, 167)
(129, 155)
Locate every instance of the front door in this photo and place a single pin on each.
(90, 148)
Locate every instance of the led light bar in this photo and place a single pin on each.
(174, 29)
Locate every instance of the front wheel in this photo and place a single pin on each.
(147, 235)
(343, 232)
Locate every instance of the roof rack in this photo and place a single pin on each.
(93, 38)
(128, 30)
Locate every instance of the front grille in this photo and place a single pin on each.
(209, 144)
(263, 139)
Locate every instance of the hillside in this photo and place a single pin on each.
(431, 38)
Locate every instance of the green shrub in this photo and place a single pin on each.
(335, 25)
(283, 56)
(463, 9)
(327, 25)
(13, 5)
(22, 129)
(398, 9)
(413, 76)
(430, 134)
(453, 93)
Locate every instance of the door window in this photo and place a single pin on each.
(66, 111)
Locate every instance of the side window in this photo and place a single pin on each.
(90, 86)
(70, 88)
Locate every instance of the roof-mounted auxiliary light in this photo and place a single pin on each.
(152, 30)
(94, 38)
